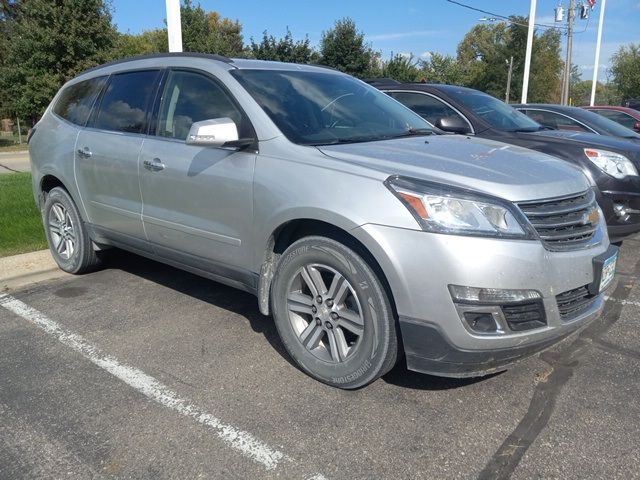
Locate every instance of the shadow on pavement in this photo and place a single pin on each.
(245, 304)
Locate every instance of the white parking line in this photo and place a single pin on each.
(242, 441)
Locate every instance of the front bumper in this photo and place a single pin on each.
(419, 266)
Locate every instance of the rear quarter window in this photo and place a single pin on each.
(76, 101)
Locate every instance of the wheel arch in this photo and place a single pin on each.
(292, 230)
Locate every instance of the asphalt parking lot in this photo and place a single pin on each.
(143, 371)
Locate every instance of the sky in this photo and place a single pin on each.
(400, 26)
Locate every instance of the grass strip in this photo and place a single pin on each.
(21, 228)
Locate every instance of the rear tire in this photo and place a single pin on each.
(67, 236)
(332, 313)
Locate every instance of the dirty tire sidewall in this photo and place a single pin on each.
(377, 351)
(84, 257)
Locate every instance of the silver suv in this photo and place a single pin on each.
(365, 235)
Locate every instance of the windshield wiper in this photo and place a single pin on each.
(340, 141)
(530, 129)
(413, 132)
(374, 138)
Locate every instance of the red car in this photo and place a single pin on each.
(628, 117)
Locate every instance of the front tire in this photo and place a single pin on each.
(332, 313)
(67, 236)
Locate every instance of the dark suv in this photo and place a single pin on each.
(612, 164)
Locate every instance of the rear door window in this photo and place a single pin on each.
(125, 102)
(620, 117)
(556, 121)
(76, 101)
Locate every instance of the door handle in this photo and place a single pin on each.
(154, 165)
(84, 152)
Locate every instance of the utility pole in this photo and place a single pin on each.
(506, 96)
(571, 15)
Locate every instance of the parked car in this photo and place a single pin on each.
(575, 119)
(632, 103)
(627, 117)
(611, 163)
(361, 232)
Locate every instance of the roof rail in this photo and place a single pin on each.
(210, 56)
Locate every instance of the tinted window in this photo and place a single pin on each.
(620, 117)
(556, 121)
(75, 102)
(428, 107)
(124, 104)
(315, 108)
(191, 97)
(493, 111)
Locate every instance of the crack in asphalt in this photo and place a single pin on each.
(9, 168)
(563, 363)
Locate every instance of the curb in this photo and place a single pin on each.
(27, 268)
(14, 152)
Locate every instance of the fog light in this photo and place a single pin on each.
(481, 322)
(491, 296)
(623, 211)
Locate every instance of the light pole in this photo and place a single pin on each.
(174, 27)
(527, 58)
(597, 60)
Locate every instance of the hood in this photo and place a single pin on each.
(594, 140)
(506, 171)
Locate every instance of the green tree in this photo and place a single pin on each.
(50, 42)
(343, 47)
(149, 41)
(546, 62)
(484, 55)
(440, 68)
(208, 32)
(283, 49)
(581, 93)
(481, 57)
(402, 68)
(625, 71)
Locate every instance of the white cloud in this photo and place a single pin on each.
(397, 35)
(584, 56)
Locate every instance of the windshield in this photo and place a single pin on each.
(317, 108)
(493, 111)
(605, 124)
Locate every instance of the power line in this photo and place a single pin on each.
(503, 17)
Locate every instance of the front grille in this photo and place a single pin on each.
(566, 223)
(524, 316)
(574, 302)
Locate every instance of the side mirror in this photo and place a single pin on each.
(636, 127)
(213, 133)
(453, 124)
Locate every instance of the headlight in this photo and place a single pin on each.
(612, 163)
(442, 209)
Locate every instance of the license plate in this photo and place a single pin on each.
(608, 271)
